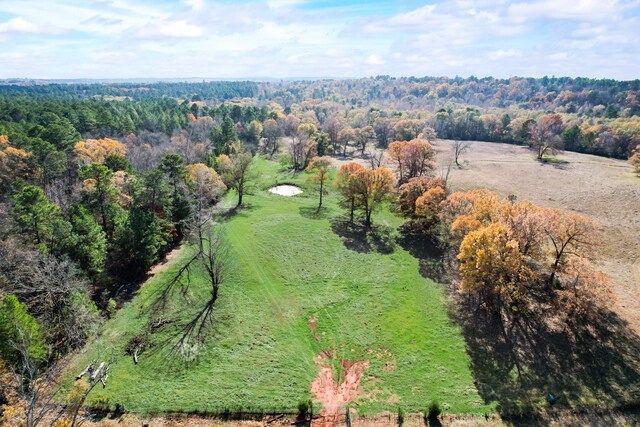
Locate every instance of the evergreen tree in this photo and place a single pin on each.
(19, 330)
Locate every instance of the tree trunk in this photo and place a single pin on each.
(353, 207)
(367, 215)
(321, 191)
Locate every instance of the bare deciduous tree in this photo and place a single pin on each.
(54, 290)
(39, 389)
(459, 148)
(376, 158)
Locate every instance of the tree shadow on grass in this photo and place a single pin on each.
(431, 257)
(586, 367)
(357, 237)
(314, 212)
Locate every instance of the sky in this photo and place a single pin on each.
(70, 39)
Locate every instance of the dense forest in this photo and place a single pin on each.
(99, 181)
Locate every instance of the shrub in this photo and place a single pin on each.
(305, 406)
(433, 411)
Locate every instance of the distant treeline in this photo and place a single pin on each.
(215, 91)
(598, 97)
(605, 97)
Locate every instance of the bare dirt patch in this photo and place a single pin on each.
(602, 188)
(334, 395)
(168, 259)
(285, 190)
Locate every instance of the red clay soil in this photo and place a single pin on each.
(334, 396)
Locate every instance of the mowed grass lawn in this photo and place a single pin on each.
(287, 266)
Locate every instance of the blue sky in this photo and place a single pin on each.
(298, 38)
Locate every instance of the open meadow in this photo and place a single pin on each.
(309, 304)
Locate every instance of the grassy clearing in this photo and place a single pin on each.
(290, 266)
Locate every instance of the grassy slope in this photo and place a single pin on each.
(289, 266)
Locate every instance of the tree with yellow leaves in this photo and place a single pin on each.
(346, 187)
(235, 172)
(205, 182)
(509, 252)
(493, 267)
(96, 150)
(321, 166)
(463, 212)
(371, 187)
(14, 163)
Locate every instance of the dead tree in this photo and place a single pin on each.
(97, 375)
(37, 388)
(210, 258)
(40, 389)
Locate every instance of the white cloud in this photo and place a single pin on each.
(579, 10)
(502, 53)
(279, 38)
(195, 4)
(417, 17)
(374, 60)
(276, 4)
(19, 25)
(174, 29)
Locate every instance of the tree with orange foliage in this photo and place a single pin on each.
(463, 212)
(569, 235)
(371, 188)
(346, 187)
(508, 250)
(410, 191)
(583, 291)
(395, 154)
(14, 163)
(95, 150)
(321, 166)
(428, 205)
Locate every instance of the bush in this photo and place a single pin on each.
(433, 411)
(285, 161)
(101, 403)
(305, 407)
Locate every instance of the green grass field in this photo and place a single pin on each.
(288, 266)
